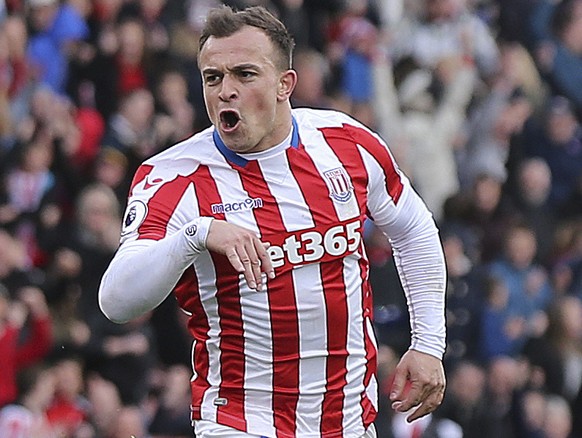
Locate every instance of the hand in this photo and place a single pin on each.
(245, 251)
(33, 298)
(426, 378)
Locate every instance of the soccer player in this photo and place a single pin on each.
(256, 226)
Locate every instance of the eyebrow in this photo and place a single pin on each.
(236, 68)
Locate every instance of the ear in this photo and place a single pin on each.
(287, 82)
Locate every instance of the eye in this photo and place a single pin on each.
(247, 74)
(211, 79)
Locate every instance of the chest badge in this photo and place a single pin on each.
(339, 184)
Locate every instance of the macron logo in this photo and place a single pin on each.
(234, 207)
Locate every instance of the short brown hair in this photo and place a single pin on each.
(224, 21)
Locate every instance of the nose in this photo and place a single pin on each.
(228, 90)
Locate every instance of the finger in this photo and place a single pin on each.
(234, 260)
(398, 384)
(427, 406)
(266, 265)
(248, 268)
(256, 272)
(412, 399)
(253, 266)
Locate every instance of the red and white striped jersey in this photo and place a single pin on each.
(297, 359)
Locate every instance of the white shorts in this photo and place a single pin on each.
(209, 429)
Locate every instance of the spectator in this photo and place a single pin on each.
(505, 377)
(502, 333)
(560, 144)
(110, 169)
(105, 405)
(25, 337)
(434, 103)
(313, 72)
(526, 281)
(491, 127)
(68, 411)
(57, 29)
(131, 130)
(464, 299)
(124, 356)
(27, 417)
(557, 354)
(465, 401)
(485, 213)
(532, 200)
(567, 270)
(557, 418)
(177, 115)
(560, 57)
(172, 414)
(444, 29)
(14, 84)
(565, 333)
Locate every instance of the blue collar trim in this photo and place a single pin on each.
(237, 159)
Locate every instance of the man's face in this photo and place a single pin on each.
(244, 91)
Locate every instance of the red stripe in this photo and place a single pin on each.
(284, 323)
(186, 292)
(337, 338)
(312, 186)
(368, 410)
(161, 207)
(336, 138)
(142, 171)
(229, 311)
(232, 358)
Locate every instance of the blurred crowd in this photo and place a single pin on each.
(481, 103)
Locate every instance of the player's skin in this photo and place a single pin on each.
(247, 92)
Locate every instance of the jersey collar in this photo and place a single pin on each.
(238, 159)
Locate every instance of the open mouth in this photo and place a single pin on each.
(229, 120)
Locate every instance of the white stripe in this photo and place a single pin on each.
(372, 392)
(295, 212)
(230, 189)
(207, 289)
(184, 212)
(356, 363)
(378, 199)
(258, 379)
(206, 276)
(311, 309)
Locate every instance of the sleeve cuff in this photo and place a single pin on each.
(196, 233)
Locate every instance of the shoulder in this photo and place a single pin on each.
(336, 124)
(181, 159)
(322, 118)
(197, 148)
(333, 123)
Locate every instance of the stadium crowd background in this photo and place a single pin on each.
(481, 103)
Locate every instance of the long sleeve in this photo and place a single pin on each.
(144, 272)
(37, 345)
(421, 266)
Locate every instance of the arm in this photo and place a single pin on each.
(419, 259)
(419, 379)
(144, 272)
(40, 339)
